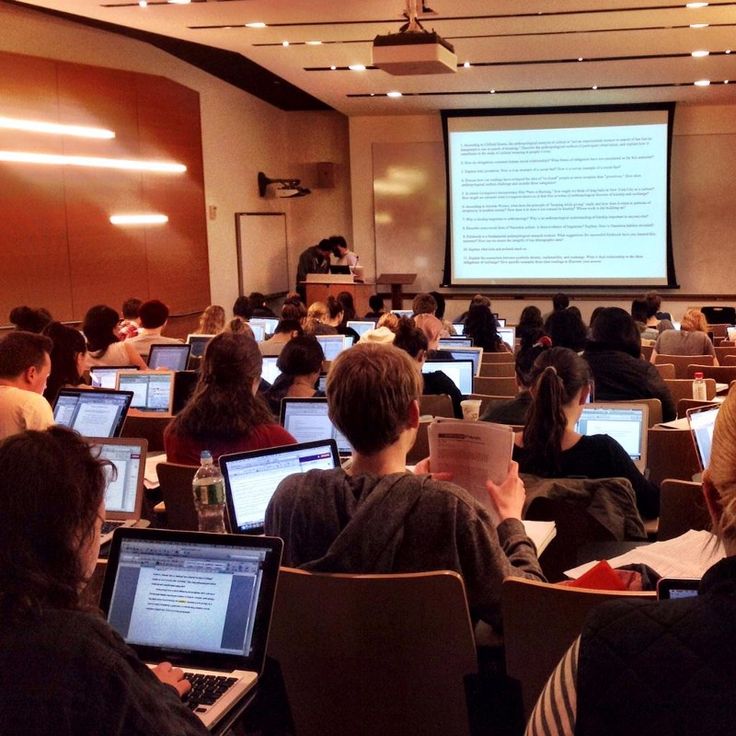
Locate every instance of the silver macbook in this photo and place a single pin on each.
(508, 335)
(361, 326)
(251, 478)
(107, 376)
(200, 601)
(198, 344)
(124, 492)
(92, 412)
(702, 420)
(307, 420)
(469, 353)
(460, 372)
(450, 343)
(333, 345)
(169, 356)
(269, 325)
(153, 391)
(270, 371)
(626, 423)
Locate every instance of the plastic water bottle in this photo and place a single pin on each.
(699, 393)
(208, 487)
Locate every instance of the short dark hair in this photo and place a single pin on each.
(99, 327)
(242, 308)
(615, 329)
(325, 245)
(22, 350)
(153, 314)
(338, 241)
(288, 325)
(301, 356)
(440, 311)
(639, 310)
(424, 304)
(560, 301)
(131, 308)
(28, 319)
(566, 329)
(654, 302)
(48, 515)
(375, 302)
(410, 338)
(294, 310)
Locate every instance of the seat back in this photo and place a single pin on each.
(718, 314)
(666, 370)
(175, 482)
(720, 373)
(729, 358)
(496, 386)
(681, 508)
(671, 454)
(374, 654)
(681, 362)
(150, 429)
(540, 622)
(487, 401)
(655, 408)
(490, 357)
(646, 351)
(724, 351)
(420, 449)
(682, 388)
(498, 370)
(436, 405)
(684, 404)
(719, 329)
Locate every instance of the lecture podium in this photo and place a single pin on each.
(396, 281)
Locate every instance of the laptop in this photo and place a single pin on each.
(184, 384)
(270, 371)
(269, 324)
(361, 326)
(307, 420)
(474, 354)
(333, 345)
(500, 322)
(259, 331)
(124, 492)
(508, 335)
(626, 423)
(340, 269)
(153, 391)
(702, 420)
(251, 478)
(92, 412)
(459, 371)
(200, 601)
(169, 356)
(198, 343)
(107, 376)
(403, 312)
(450, 343)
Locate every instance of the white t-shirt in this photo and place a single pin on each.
(21, 410)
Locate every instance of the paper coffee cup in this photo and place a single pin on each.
(471, 409)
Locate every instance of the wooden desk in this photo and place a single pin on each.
(318, 292)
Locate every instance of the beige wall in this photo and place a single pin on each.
(241, 135)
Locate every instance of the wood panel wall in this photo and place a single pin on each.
(58, 248)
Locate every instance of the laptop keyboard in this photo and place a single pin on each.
(206, 689)
(108, 527)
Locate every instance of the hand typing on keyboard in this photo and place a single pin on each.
(170, 675)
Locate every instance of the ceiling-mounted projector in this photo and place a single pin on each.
(413, 50)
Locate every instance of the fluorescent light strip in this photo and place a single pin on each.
(96, 162)
(139, 219)
(39, 126)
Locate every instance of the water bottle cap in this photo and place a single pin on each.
(205, 455)
(698, 375)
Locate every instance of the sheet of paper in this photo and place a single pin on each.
(676, 424)
(686, 556)
(150, 476)
(540, 532)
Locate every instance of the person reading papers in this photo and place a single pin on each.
(376, 517)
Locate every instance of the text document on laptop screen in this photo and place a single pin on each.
(559, 197)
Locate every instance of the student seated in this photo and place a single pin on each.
(62, 667)
(481, 325)
(668, 667)
(224, 414)
(154, 316)
(68, 359)
(691, 339)
(286, 329)
(211, 321)
(375, 302)
(300, 363)
(376, 517)
(104, 347)
(549, 445)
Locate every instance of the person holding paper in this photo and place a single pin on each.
(549, 445)
(668, 667)
(375, 516)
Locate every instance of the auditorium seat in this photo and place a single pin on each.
(684, 404)
(681, 508)
(497, 370)
(666, 370)
(725, 351)
(495, 386)
(720, 373)
(490, 357)
(436, 405)
(671, 454)
(175, 482)
(682, 388)
(681, 362)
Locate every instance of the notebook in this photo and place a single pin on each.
(107, 376)
(198, 343)
(307, 420)
(626, 423)
(269, 324)
(459, 371)
(450, 343)
(169, 356)
(124, 492)
(200, 601)
(361, 326)
(153, 391)
(333, 345)
(93, 413)
(702, 420)
(270, 371)
(474, 354)
(251, 478)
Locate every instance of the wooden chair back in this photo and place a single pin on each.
(148, 428)
(498, 370)
(495, 386)
(646, 351)
(489, 357)
(681, 508)
(666, 370)
(373, 654)
(681, 362)
(436, 405)
(486, 401)
(420, 448)
(725, 351)
(720, 373)
(671, 454)
(540, 622)
(684, 404)
(682, 388)
(719, 329)
(729, 359)
(175, 482)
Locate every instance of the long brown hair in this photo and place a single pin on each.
(222, 405)
(557, 376)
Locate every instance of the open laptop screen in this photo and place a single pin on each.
(251, 478)
(333, 345)
(92, 413)
(460, 372)
(361, 326)
(450, 343)
(170, 357)
(702, 420)
(183, 595)
(107, 376)
(508, 335)
(259, 331)
(626, 424)
(198, 343)
(128, 458)
(152, 391)
(471, 353)
(270, 371)
(307, 420)
(269, 325)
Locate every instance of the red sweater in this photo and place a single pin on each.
(186, 450)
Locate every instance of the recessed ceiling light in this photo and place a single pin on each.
(699, 25)
(393, 94)
(356, 67)
(143, 3)
(314, 43)
(726, 81)
(702, 83)
(493, 91)
(179, 2)
(139, 219)
(95, 162)
(595, 86)
(255, 24)
(284, 43)
(41, 126)
(728, 51)
(580, 58)
(695, 5)
(466, 65)
(699, 54)
(333, 67)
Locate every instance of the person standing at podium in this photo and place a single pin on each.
(315, 259)
(343, 255)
